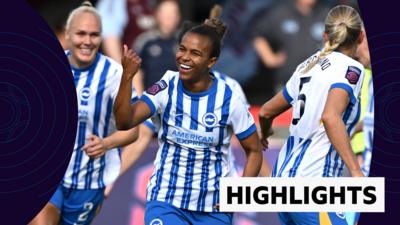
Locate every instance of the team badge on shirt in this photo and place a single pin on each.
(209, 119)
(353, 74)
(84, 94)
(157, 87)
(156, 222)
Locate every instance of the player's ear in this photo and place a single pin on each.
(361, 37)
(212, 62)
(325, 37)
(66, 35)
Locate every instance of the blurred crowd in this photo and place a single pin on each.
(266, 39)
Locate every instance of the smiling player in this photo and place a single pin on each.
(198, 114)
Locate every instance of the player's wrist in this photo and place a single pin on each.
(127, 77)
(107, 144)
(356, 173)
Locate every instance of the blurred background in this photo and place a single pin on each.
(266, 40)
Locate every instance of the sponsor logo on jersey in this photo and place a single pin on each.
(186, 138)
(353, 74)
(157, 87)
(209, 119)
(83, 115)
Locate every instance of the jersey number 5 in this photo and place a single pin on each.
(301, 100)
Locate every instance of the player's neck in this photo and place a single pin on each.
(198, 86)
(350, 52)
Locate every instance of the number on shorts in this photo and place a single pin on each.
(88, 206)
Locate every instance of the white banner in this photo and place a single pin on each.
(334, 194)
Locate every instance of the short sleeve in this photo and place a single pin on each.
(349, 80)
(291, 89)
(156, 95)
(242, 121)
(239, 90)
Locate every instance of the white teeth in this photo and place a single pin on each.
(86, 51)
(185, 67)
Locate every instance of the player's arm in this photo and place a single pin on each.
(97, 147)
(253, 150)
(265, 170)
(336, 104)
(132, 152)
(267, 55)
(271, 109)
(127, 115)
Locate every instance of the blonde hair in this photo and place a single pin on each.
(343, 26)
(86, 6)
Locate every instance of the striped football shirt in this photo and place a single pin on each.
(96, 89)
(308, 151)
(194, 140)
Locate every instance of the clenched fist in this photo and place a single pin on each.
(130, 63)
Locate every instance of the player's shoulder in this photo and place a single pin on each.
(111, 61)
(351, 69)
(169, 75)
(225, 78)
(114, 70)
(163, 83)
(303, 65)
(340, 60)
(231, 88)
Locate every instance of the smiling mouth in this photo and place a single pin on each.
(184, 68)
(85, 51)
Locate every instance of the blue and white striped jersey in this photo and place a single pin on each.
(194, 139)
(308, 151)
(96, 89)
(233, 84)
(368, 130)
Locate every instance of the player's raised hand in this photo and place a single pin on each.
(95, 146)
(130, 63)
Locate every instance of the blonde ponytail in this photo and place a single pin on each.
(342, 26)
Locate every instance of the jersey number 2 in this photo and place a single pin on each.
(88, 206)
(301, 99)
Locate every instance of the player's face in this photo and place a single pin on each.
(193, 57)
(83, 38)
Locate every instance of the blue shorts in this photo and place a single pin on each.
(161, 213)
(312, 218)
(352, 217)
(77, 207)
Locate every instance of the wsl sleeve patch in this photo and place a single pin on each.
(157, 87)
(353, 74)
